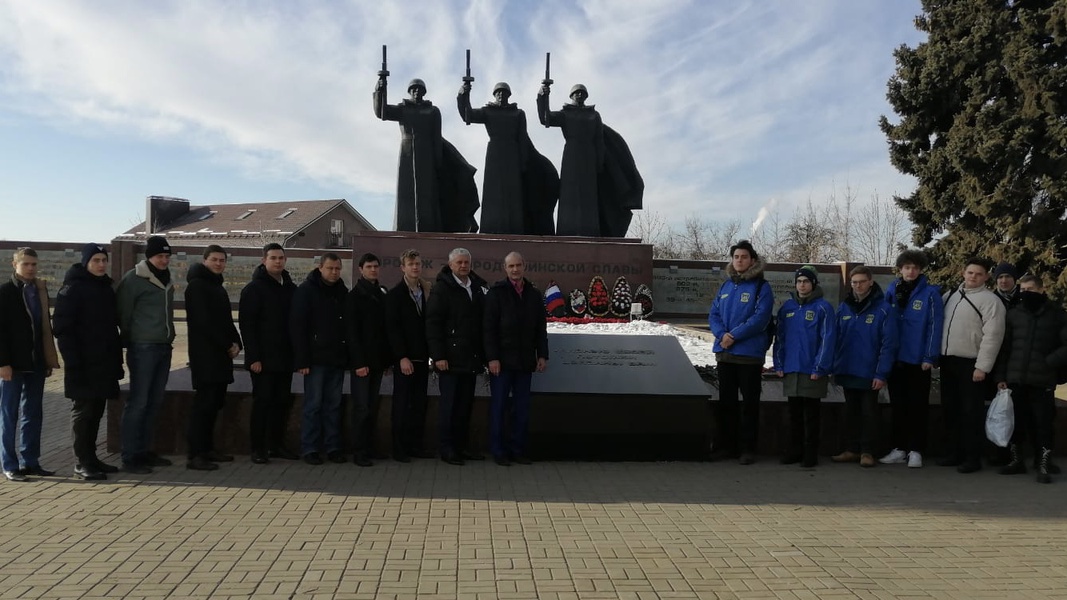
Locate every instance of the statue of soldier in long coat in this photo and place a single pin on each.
(520, 186)
(435, 188)
(599, 182)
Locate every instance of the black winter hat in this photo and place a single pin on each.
(1004, 268)
(90, 250)
(809, 272)
(156, 244)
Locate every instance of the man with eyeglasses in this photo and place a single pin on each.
(866, 349)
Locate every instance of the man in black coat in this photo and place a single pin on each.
(27, 358)
(368, 349)
(320, 350)
(516, 345)
(213, 344)
(264, 317)
(405, 316)
(1034, 348)
(454, 335)
(86, 326)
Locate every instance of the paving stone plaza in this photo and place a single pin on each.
(550, 530)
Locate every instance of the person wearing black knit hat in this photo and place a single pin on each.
(1004, 284)
(85, 324)
(146, 320)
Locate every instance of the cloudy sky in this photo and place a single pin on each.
(726, 105)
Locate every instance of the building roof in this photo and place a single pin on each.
(248, 223)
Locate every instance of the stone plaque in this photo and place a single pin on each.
(584, 363)
(681, 290)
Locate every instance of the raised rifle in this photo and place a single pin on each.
(467, 79)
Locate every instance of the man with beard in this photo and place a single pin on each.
(866, 349)
(454, 335)
(213, 344)
(1034, 349)
(264, 318)
(86, 327)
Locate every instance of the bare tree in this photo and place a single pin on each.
(881, 231)
(808, 239)
(652, 228)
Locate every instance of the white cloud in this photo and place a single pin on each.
(719, 102)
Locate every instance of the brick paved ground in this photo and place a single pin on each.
(551, 530)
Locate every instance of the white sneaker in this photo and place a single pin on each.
(895, 457)
(915, 460)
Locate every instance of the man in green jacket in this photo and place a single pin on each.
(146, 320)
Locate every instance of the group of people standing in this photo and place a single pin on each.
(1011, 337)
(320, 329)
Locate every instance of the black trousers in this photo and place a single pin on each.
(454, 414)
(861, 420)
(207, 403)
(366, 398)
(737, 423)
(963, 406)
(409, 409)
(804, 426)
(85, 418)
(1035, 414)
(272, 399)
(909, 401)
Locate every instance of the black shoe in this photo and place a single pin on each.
(154, 460)
(284, 453)
(969, 466)
(402, 458)
(520, 459)
(1052, 468)
(199, 463)
(950, 461)
(718, 455)
(216, 456)
(502, 461)
(472, 456)
(747, 459)
(336, 456)
(137, 468)
(452, 460)
(15, 476)
(103, 467)
(38, 471)
(809, 462)
(791, 459)
(260, 458)
(313, 458)
(1016, 467)
(362, 461)
(89, 473)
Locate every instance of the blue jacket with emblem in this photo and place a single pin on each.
(866, 337)
(743, 308)
(807, 332)
(920, 316)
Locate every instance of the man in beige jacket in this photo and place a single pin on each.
(970, 340)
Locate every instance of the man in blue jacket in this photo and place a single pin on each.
(739, 318)
(919, 312)
(866, 348)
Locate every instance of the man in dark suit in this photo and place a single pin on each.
(405, 315)
(454, 335)
(516, 345)
(368, 349)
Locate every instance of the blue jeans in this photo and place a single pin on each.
(149, 366)
(322, 409)
(23, 394)
(509, 413)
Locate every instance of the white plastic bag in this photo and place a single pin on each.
(1000, 419)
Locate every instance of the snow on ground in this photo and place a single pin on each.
(696, 348)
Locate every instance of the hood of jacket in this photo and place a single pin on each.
(754, 272)
(260, 274)
(816, 293)
(370, 288)
(200, 271)
(874, 298)
(315, 278)
(78, 273)
(448, 278)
